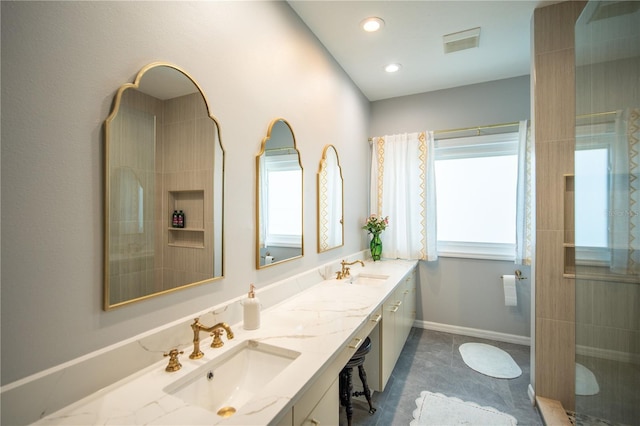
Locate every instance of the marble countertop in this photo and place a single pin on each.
(318, 323)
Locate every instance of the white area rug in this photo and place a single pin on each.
(586, 382)
(489, 360)
(438, 409)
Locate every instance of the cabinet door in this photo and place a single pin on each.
(327, 410)
(409, 305)
(401, 319)
(411, 299)
(388, 343)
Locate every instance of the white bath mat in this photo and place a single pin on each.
(438, 409)
(586, 382)
(489, 360)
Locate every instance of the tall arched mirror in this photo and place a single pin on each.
(164, 169)
(330, 201)
(278, 197)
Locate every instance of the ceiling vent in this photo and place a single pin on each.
(611, 9)
(462, 40)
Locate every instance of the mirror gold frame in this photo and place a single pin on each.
(293, 252)
(330, 179)
(164, 114)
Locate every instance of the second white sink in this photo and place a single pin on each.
(368, 279)
(228, 382)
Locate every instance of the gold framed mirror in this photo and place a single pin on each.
(164, 159)
(279, 196)
(330, 201)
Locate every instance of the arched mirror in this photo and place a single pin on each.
(278, 197)
(330, 201)
(164, 167)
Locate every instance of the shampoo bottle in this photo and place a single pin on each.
(251, 305)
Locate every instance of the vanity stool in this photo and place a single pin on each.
(345, 382)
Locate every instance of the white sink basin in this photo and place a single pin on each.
(368, 279)
(228, 382)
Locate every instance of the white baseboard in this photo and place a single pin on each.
(474, 332)
(607, 354)
(532, 394)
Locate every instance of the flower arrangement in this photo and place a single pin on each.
(375, 224)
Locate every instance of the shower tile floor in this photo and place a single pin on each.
(618, 400)
(431, 361)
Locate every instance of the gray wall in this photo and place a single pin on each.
(495, 102)
(464, 292)
(62, 63)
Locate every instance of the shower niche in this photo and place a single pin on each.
(191, 203)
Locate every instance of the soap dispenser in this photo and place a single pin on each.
(251, 305)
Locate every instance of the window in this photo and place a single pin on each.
(283, 190)
(592, 208)
(476, 181)
(591, 197)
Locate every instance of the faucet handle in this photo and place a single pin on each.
(217, 341)
(174, 363)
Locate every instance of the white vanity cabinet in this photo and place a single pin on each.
(388, 338)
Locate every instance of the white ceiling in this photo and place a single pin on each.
(412, 35)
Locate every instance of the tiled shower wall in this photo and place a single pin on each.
(554, 126)
(186, 153)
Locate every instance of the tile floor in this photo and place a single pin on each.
(431, 361)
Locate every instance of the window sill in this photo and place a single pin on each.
(485, 251)
(482, 256)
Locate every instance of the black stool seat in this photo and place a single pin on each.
(346, 385)
(358, 358)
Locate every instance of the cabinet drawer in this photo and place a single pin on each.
(374, 320)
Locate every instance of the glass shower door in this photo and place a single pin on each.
(607, 213)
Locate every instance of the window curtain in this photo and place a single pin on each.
(403, 188)
(330, 204)
(263, 207)
(624, 214)
(524, 196)
(334, 217)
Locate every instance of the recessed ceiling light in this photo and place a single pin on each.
(372, 24)
(393, 68)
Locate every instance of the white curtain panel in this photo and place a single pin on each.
(330, 216)
(403, 188)
(524, 196)
(264, 211)
(624, 214)
(334, 182)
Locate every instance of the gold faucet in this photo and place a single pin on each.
(344, 273)
(216, 330)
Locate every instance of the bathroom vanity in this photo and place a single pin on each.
(291, 363)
